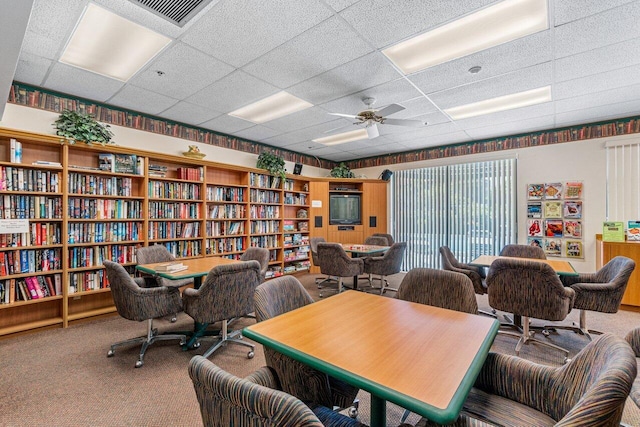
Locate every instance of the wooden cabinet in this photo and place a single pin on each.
(605, 251)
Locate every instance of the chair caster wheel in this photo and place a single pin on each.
(195, 345)
(174, 319)
(110, 353)
(182, 342)
(545, 333)
(353, 412)
(250, 354)
(139, 364)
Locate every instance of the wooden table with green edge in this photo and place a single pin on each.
(423, 358)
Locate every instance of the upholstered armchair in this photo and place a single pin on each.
(601, 291)
(523, 251)
(159, 253)
(226, 293)
(313, 243)
(389, 237)
(530, 289)
(255, 401)
(279, 296)
(334, 261)
(137, 303)
(590, 390)
(439, 288)
(376, 241)
(633, 338)
(386, 265)
(258, 254)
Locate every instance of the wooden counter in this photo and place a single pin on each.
(605, 251)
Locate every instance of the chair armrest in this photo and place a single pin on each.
(580, 278)
(265, 376)
(592, 287)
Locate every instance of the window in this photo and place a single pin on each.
(623, 180)
(469, 207)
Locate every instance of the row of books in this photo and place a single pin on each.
(264, 181)
(295, 199)
(30, 288)
(184, 248)
(291, 225)
(295, 239)
(98, 185)
(264, 196)
(225, 194)
(224, 228)
(40, 233)
(87, 208)
(230, 244)
(263, 227)
(35, 180)
(301, 253)
(30, 207)
(269, 241)
(174, 210)
(100, 232)
(29, 261)
(173, 230)
(93, 256)
(227, 211)
(83, 281)
(174, 190)
(121, 163)
(265, 211)
(191, 174)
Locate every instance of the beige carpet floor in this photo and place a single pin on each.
(62, 377)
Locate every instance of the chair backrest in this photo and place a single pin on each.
(313, 243)
(334, 261)
(523, 251)
(528, 288)
(616, 272)
(389, 237)
(633, 338)
(376, 240)
(279, 296)
(257, 254)
(439, 288)
(476, 274)
(390, 262)
(153, 253)
(226, 400)
(226, 292)
(136, 303)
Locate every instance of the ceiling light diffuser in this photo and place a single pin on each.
(110, 45)
(341, 138)
(494, 25)
(501, 103)
(270, 108)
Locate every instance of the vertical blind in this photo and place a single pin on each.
(469, 207)
(623, 181)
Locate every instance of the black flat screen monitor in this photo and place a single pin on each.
(345, 209)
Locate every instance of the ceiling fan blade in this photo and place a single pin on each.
(403, 122)
(338, 128)
(372, 131)
(343, 115)
(389, 110)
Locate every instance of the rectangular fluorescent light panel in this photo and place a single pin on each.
(341, 138)
(501, 103)
(275, 106)
(489, 27)
(110, 45)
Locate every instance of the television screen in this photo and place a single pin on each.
(344, 209)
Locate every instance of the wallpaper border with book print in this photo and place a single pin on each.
(31, 96)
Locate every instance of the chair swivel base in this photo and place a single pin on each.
(526, 338)
(581, 328)
(151, 337)
(225, 337)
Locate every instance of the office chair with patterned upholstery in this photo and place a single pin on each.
(633, 338)
(335, 262)
(389, 237)
(257, 254)
(137, 303)
(226, 293)
(590, 390)
(159, 253)
(601, 291)
(523, 251)
(313, 243)
(387, 264)
(279, 296)
(376, 241)
(530, 289)
(255, 401)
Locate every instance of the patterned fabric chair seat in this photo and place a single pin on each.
(386, 265)
(258, 254)
(633, 338)
(523, 251)
(376, 241)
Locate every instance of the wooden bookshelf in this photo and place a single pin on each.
(79, 215)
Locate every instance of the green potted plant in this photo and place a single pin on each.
(272, 163)
(82, 127)
(342, 171)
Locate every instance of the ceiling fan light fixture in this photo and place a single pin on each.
(341, 138)
(110, 45)
(270, 108)
(501, 23)
(501, 103)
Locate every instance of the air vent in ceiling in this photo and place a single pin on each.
(177, 12)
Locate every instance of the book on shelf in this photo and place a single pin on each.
(125, 163)
(106, 162)
(170, 267)
(15, 148)
(633, 231)
(46, 163)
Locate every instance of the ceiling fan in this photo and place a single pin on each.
(371, 118)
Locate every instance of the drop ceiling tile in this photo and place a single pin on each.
(607, 28)
(518, 81)
(508, 116)
(436, 140)
(597, 82)
(384, 22)
(599, 60)
(257, 133)
(512, 128)
(300, 120)
(263, 26)
(414, 108)
(226, 124)
(176, 62)
(138, 99)
(339, 5)
(599, 99)
(505, 58)
(184, 112)
(74, 81)
(32, 69)
(600, 113)
(232, 92)
(321, 48)
(439, 129)
(307, 134)
(343, 156)
(573, 10)
(367, 71)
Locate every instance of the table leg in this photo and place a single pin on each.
(378, 411)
